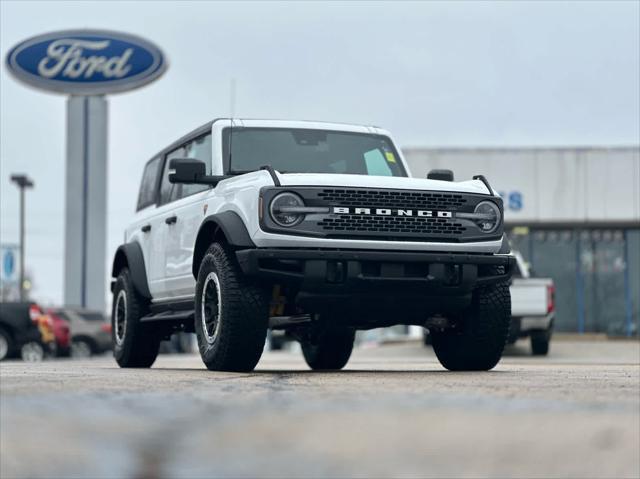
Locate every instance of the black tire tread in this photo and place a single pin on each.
(540, 343)
(245, 315)
(480, 344)
(331, 350)
(141, 343)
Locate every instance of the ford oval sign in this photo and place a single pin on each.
(86, 62)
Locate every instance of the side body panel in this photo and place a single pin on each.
(151, 244)
(180, 239)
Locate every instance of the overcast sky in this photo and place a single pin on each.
(435, 74)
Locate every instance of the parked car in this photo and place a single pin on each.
(316, 229)
(532, 307)
(25, 331)
(62, 333)
(90, 331)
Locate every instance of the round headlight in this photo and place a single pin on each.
(279, 206)
(488, 216)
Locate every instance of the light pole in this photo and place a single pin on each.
(23, 182)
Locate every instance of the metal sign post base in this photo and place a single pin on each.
(86, 202)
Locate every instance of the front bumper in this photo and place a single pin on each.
(366, 271)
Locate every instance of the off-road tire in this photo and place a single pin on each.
(477, 343)
(243, 317)
(540, 342)
(330, 349)
(140, 343)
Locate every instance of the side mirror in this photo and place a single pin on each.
(442, 175)
(190, 171)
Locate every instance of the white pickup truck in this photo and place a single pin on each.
(532, 307)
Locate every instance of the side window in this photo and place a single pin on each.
(147, 195)
(377, 164)
(169, 191)
(199, 149)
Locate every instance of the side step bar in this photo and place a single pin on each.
(169, 316)
(275, 322)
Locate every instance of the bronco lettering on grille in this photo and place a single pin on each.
(341, 210)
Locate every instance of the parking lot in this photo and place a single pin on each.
(394, 411)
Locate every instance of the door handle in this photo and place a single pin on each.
(171, 220)
(146, 228)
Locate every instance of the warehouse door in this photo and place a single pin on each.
(602, 263)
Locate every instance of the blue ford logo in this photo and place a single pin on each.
(86, 62)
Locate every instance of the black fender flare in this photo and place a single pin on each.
(130, 255)
(227, 224)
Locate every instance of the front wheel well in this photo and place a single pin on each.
(119, 262)
(209, 233)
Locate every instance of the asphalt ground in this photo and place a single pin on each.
(394, 412)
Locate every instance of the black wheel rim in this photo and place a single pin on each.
(211, 307)
(120, 316)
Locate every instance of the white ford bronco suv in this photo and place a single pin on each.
(314, 228)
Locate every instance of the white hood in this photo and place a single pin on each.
(363, 181)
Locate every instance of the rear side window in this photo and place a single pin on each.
(149, 183)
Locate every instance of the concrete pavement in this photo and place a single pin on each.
(393, 412)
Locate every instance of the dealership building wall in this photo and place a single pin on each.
(574, 214)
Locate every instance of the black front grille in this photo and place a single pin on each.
(383, 214)
(385, 225)
(393, 199)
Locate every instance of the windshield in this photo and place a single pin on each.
(310, 151)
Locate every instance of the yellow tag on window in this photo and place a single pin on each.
(390, 157)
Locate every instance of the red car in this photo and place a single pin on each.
(62, 333)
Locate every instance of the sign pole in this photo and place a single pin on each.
(86, 202)
(22, 245)
(22, 182)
